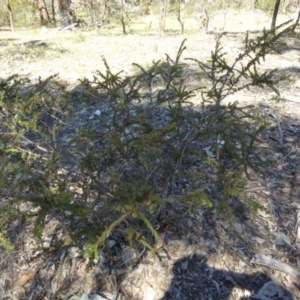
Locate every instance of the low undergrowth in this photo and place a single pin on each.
(110, 173)
(29, 51)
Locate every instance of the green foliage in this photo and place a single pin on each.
(266, 4)
(24, 13)
(111, 175)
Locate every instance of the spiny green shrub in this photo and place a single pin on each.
(148, 142)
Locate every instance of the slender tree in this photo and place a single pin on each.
(64, 10)
(122, 17)
(254, 4)
(44, 15)
(179, 16)
(53, 12)
(11, 20)
(297, 16)
(163, 16)
(105, 11)
(275, 13)
(286, 4)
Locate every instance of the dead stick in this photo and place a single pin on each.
(275, 264)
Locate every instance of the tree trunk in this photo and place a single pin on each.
(53, 12)
(275, 13)
(179, 16)
(206, 19)
(286, 4)
(11, 20)
(105, 12)
(122, 17)
(163, 16)
(44, 15)
(297, 17)
(165, 13)
(64, 9)
(225, 9)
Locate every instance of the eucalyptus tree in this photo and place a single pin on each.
(11, 19)
(43, 11)
(67, 13)
(275, 13)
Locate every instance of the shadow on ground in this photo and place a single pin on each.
(194, 279)
(5, 42)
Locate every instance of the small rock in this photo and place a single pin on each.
(238, 227)
(97, 113)
(84, 297)
(270, 290)
(190, 223)
(74, 297)
(106, 296)
(128, 255)
(47, 241)
(111, 243)
(74, 252)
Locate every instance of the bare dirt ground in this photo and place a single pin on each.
(205, 258)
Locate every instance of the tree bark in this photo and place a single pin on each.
(206, 19)
(179, 16)
(53, 12)
(286, 4)
(44, 15)
(225, 9)
(105, 12)
(64, 9)
(275, 13)
(122, 17)
(163, 16)
(297, 17)
(11, 19)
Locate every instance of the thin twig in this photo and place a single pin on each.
(280, 140)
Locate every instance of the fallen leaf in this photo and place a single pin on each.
(97, 113)
(289, 139)
(282, 239)
(286, 239)
(247, 293)
(208, 152)
(288, 282)
(24, 278)
(286, 190)
(150, 294)
(297, 227)
(258, 240)
(264, 145)
(238, 227)
(271, 290)
(298, 261)
(281, 166)
(263, 213)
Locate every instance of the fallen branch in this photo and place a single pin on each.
(280, 140)
(274, 264)
(280, 134)
(287, 97)
(69, 27)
